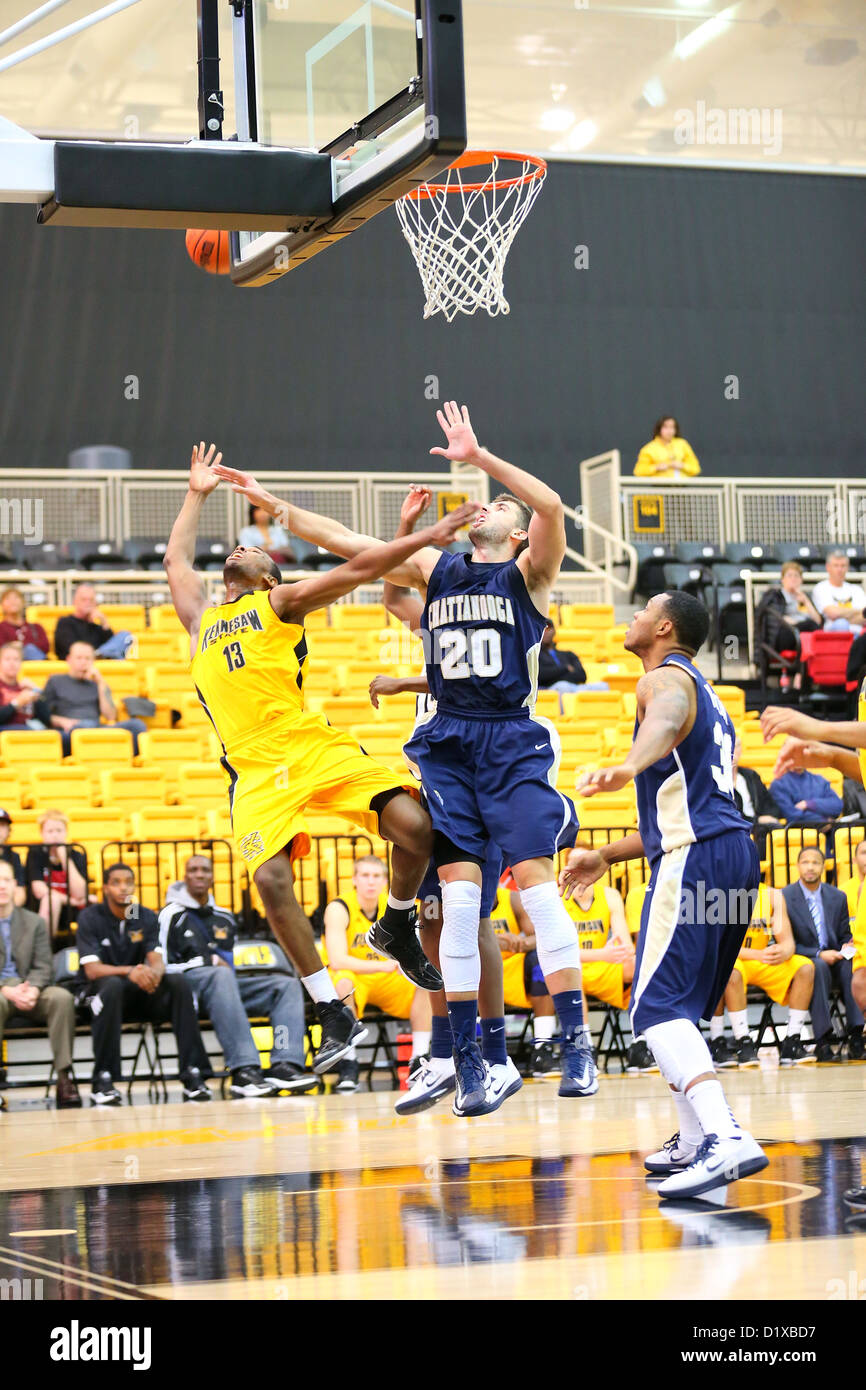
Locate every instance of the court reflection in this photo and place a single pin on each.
(445, 1212)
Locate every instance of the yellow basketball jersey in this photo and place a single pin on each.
(760, 933)
(593, 922)
(248, 667)
(360, 924)
(861, 715)
(502, 916)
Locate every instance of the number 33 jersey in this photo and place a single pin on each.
(482, 636)
(688, 796)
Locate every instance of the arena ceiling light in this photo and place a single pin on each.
(557, 119)
(583, 134)
(705, 33)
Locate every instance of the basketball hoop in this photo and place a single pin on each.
(461, 232)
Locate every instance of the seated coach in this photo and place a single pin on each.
(196, 938)
(122, 962)
(819, 918)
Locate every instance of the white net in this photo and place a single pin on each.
(461, 228)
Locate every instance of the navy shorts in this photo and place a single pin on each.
(697, 909)
(494, 779)
(491, 871)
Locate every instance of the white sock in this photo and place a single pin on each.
(399, 905)
(739, 1023)
(543, 1027)
(555, 932)
(443, 1065)
(420, 1043)
(320, 987)
(690, 1131)
(717, 1026)
(796, 1020)
(707, 1099)
(459, 956)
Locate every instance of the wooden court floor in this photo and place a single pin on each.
(336, 1197)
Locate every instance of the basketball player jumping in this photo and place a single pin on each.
(694, 915)
(249, 656)
(487, 762)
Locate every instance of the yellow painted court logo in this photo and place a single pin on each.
(252, 845)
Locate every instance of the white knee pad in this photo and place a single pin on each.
(555, 933)
(459, 957)
(680, 1050)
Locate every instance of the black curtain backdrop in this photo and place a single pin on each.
(693, 276)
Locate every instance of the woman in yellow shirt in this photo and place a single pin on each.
(667, 455)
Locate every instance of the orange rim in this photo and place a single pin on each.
(474, 159)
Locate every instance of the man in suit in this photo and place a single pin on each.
(26, 988)
(819, 917)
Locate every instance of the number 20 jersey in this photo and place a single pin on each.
(482, 636)
(688, 796)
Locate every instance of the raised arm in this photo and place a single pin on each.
(293, 601)
(188, 591)
(324, 531)
(666, 705)
(397, 599)
(542, 561)
(799, 755)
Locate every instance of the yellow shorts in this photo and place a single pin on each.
(391, 992)
(603, 980)
(512, 979)
(301, 765)
(774, 980)
(858, 962)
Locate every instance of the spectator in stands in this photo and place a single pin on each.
(753, 798)
(840, 604)
(86, 623)
(14, 627)
(361, 976)
(11, 857)
(121, 960)
(768, 960)
(21, 704)
(819, 918)
(83, 700)
(26, 988)
(196, 938)
(561, 670)
(667, 455)
(267, 533)
(783, 614)
(57, 874)
(806, 798)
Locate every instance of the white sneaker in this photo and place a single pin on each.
(717, 1161)
(671, 1157)
(503, 1081)
(429, 1085)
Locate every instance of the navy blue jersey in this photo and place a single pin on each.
(688, 796)
(482, 638)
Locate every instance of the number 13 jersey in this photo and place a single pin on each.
(688, 796)
(482, 636)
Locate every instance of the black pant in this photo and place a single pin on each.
(787, 637)
(826, 976)
(118, 1001)
(856, 658)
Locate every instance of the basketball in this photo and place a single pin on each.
(209, 250)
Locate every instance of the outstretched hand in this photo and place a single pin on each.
(444, 532)
(244, 483)
(584, 867)
(462, 444)
(802, 755)
(202, 475)
(781, 719)
(416, 503)
(604, 779)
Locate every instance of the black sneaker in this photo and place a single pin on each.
(404, 947)
(639, 1058)
(193, 1086)
(340, 1031)
(857, 1045)
(747, 1053)
(249, 1082)
(793, 1053)
(856, 1198)
(543, 1060)
(284, 1077)
(103, 1090)
(824, 1050)
(350, 1076)
(721, 1053)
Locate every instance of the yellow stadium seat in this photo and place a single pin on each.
(587, 615)
(168, 684)
(345, 711)
(593, 706)
(23, 748)
(316, 620)
(194, 717)
(123, 678)
(39, 672)
(161, 646)
(635, 896)
(219, 822)
(125, 617)
(167, 749)
(25, 829)
(733, 699)
(166, 823)
(97, 825)
(95, 749)
(62, 786)
(12, 788)
(621, 675)
(329, 645)
(547, 704)
(133, 787)
(163, 618)
(614, 639)
(47, 615)
(203, 787)
(783, 849)
(348, 617)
